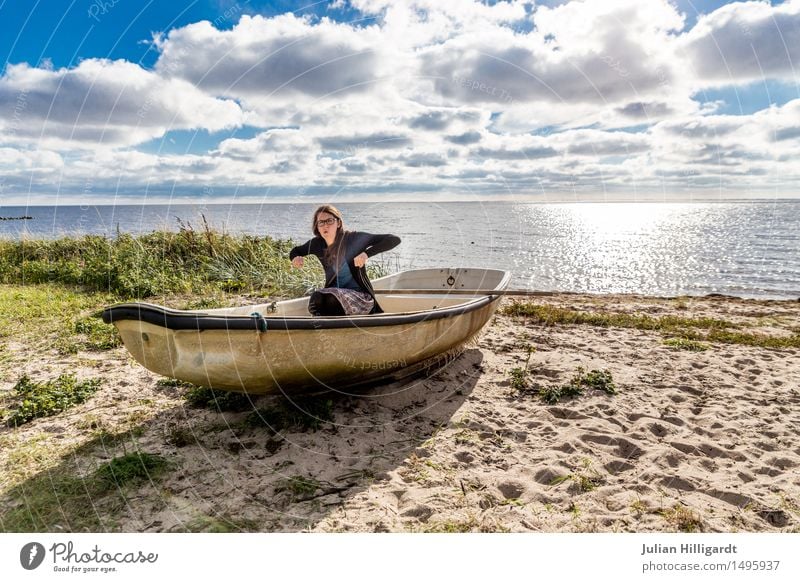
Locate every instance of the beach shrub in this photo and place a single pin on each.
(40, 399)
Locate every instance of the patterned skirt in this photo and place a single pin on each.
(353, 302)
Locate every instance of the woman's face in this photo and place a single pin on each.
(327, 225)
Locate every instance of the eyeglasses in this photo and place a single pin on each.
(326, 222)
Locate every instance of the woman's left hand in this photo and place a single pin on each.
(360, 260)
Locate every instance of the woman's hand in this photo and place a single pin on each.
(360, 260)
(297, 262)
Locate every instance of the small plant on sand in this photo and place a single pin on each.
(583, 480)
(454, 526)
(683, 519)
(222, 400)
(302, 413)
(594, 379)
(39, 399)
(679, 343)
(131, 469)
(639, 508)
(520, 376)
(299, 487)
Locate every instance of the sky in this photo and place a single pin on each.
(220, 100)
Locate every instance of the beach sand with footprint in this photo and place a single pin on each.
(691, 440)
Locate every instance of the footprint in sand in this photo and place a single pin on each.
(511, 489)
(615, 467)
(622, 448)
(706, 450)
(658, 430)
(465, 457)
(420, 512)
(730, 497)
(678, 483)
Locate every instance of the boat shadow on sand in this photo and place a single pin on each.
(225, 472)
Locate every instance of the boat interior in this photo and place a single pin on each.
(483, 281)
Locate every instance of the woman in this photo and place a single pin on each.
(343, 255)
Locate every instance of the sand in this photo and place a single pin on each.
(692, 441)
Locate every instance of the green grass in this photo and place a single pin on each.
(203, 261)
(37, 313)
(304, 413)
(222, 400)
(299, 487)
(31, 400)
(686, 328)
(130, 469)
(59, 499)
(678, 343)
(593, 379)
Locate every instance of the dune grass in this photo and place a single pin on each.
(689, 329)
(156, 263)
(203, 262)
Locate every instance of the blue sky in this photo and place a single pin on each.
(367, 99)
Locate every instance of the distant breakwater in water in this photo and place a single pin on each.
(16, 217)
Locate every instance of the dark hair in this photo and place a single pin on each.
(333, 250)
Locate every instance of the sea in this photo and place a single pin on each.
(741, 248)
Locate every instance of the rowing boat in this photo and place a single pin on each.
(429, 314)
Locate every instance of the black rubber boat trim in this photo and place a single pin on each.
(181, 320)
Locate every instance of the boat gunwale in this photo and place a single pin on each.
(178, 320)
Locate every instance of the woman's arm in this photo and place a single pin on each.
(379, 243)
(310, 247)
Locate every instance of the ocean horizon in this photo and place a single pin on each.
(741, 248)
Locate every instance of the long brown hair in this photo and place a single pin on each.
(333, 250)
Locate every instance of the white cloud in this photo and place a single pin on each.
(104, 103)
(743, 42)
(422, 95)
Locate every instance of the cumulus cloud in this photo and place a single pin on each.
(102, 102)
(423, 95)
(278, 57)
(745, 41)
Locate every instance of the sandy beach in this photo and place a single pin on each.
(705, 441)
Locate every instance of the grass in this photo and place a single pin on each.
(303, 413)
(519, 376)
(130, 469)
(678, 343)
(582, 480)
(683, 519)
(201, 261)
(299, 487)
(222, 400)
(59, 499)
(686, 328)
(39, 313)
(593, 379)
(31, 400)
(220, 524)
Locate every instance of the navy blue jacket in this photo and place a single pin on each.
(353, 245)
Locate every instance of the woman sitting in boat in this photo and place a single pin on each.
(343, 255)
